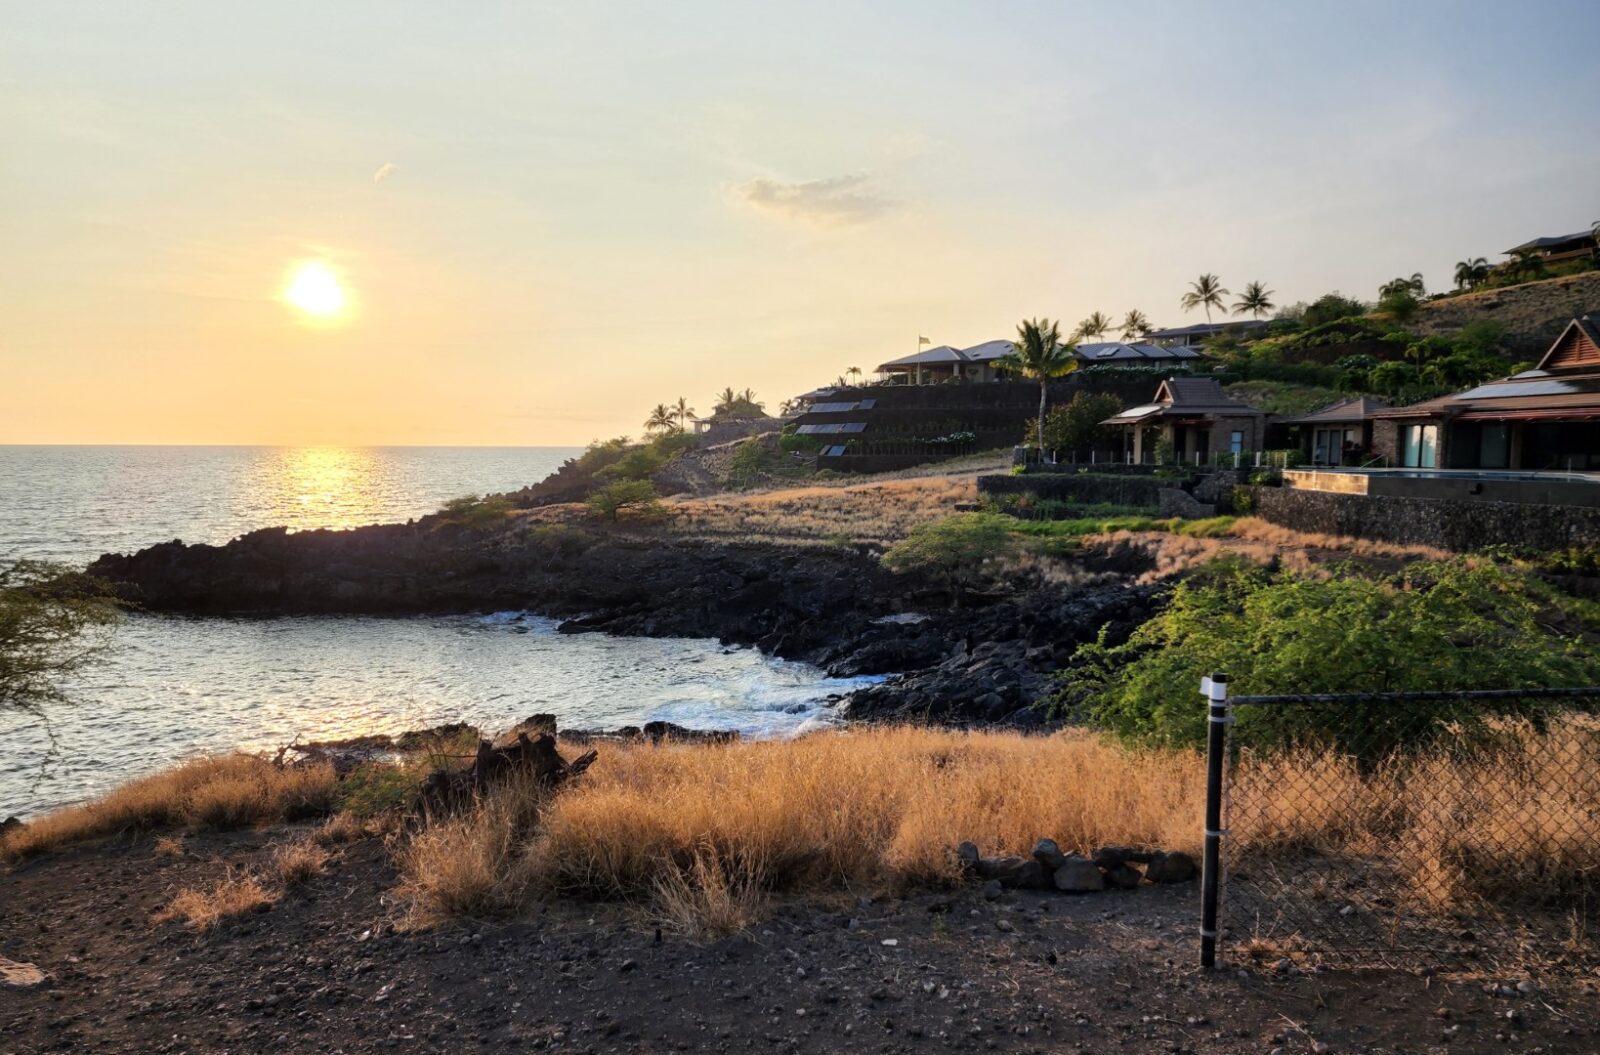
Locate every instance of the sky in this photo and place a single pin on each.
(547, 218)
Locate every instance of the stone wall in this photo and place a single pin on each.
(1080, 487)
(1533, 313)
(1461, 526)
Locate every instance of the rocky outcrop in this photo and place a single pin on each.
(836, 608)
(1002, 658)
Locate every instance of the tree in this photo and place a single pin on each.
(1256, 299)
(957, 549)
(1076, 426)
(1095, 325)
(1134, 324)
(854, 373)
(661, 419)
(53, 622)
(1421, 352)
(475, 512)
(683, 412)
(1412, 287)
(1399, 304)
(738, 405)
(1038, 353)
(610, 500)
(1470, 273)
(1205, 292)
(1528, 266)
(1330, 307)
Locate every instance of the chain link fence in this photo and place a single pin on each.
(1450, 830)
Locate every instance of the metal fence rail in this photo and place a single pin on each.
(1408, 830)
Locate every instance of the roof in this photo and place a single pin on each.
(1551, 241)
(1587, 325)
(1203, 329)
(1358, 409)
(1554, 394)
(942, 354)
(1138, 351)
(988, 351)
(1186, 397)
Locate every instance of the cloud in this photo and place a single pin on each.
(839, 201)
(383, 171)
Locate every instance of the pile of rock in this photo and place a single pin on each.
(1049, 869)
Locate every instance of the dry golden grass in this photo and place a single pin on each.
(1509, 825)
(702, 834)
(703, 831)
(881, 513)
(345, 827)
(203, 909)
(216, 792)
(169, 846)
(298, 862)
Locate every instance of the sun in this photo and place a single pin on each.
(314, 289)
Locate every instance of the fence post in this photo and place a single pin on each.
(1215, 690)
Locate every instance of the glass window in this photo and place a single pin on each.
(1419, 447)
(1494, 447)
(1236, 442)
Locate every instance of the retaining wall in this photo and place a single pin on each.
(1451, 524)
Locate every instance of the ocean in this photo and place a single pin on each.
(170, 686)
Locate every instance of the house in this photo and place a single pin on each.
(1137, 353)
(1196, 417)
(1340, 434)
(1556, 248)
(1544, 419)
(1198, 334)
(980, 362)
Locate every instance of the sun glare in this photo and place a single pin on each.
(315, 290)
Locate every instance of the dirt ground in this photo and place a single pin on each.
(325, 971)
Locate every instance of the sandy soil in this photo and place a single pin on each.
(325, 971)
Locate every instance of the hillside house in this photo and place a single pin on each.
(1544, 419)
(1341, 434)
(1196, 417)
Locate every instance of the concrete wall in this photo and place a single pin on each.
(1533, 313)
(1449, 524)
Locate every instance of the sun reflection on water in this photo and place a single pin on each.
(327, 487)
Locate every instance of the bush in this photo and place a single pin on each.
(956, 548)
(475, 512)
(1331, 307)
(749, 460)
(613, 498)
(1076, 425)
(1447, 625)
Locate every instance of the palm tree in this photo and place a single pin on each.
(1529, 265)
(1470, 272)
(1038, 353)
(1256, 299)
(1407, 287)
(1134, 324)
(725, 401)
(854, 374)
(1205, 292)
(683, 412)
(660, 420)
(1095, 325)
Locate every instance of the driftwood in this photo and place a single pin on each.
(513, 755)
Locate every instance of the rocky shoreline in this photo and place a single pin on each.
(985, 662)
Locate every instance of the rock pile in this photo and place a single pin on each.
(1048, 868)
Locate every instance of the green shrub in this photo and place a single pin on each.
(749, 460)
(1244, 500)
(475, 512)
(610, 500)
(1076, 425)
(957, 548)
(1447, 625)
